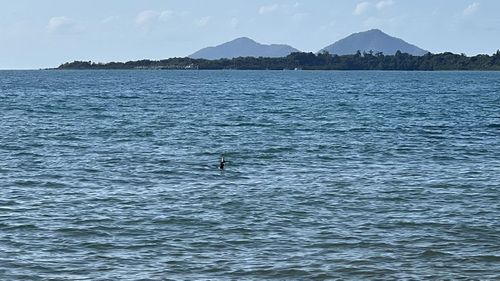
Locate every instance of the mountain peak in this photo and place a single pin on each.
(373, 40)
(243, 47)
(243, 39)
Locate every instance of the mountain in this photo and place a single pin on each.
(243, 47)
(373, 40)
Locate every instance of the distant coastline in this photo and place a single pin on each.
(311, 61)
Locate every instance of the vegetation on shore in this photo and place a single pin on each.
(311, 61)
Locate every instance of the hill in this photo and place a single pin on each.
(373, 40)
(243, 47)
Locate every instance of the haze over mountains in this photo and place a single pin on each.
(243, 47)
(372, 40)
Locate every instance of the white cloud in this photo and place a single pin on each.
(234, 22)
(166, 15)
(148, 17)
(268, 9)
(471, 9)
(362, 8)
(291, 10)
(110, 19)
(384, 4)
(203, 21)
(299, 16)
(62, 24)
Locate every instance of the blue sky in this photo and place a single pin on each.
(38, 34)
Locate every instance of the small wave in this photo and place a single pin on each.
(281, 274)
(182, 221)
(359, 129)
(53, 184)
(493, 126)
(23, 227)
(26, 183)
(432, 254)
(273, 150)
(26, 154)
(81, 232)
(249, 124)
(487, 258)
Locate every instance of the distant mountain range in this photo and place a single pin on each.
(372, 40)
(243, 47)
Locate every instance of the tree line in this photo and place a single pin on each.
(311, 61)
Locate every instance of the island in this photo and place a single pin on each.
(322, 60)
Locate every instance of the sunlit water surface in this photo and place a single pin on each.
(112, 175)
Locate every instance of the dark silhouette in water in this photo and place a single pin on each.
(221, 163)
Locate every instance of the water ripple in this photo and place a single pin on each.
(330, 175)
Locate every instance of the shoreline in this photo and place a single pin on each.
(310, 61)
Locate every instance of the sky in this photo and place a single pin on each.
(41, 34)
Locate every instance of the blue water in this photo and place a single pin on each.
(112, 175)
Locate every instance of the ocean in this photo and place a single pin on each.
(113, 175)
